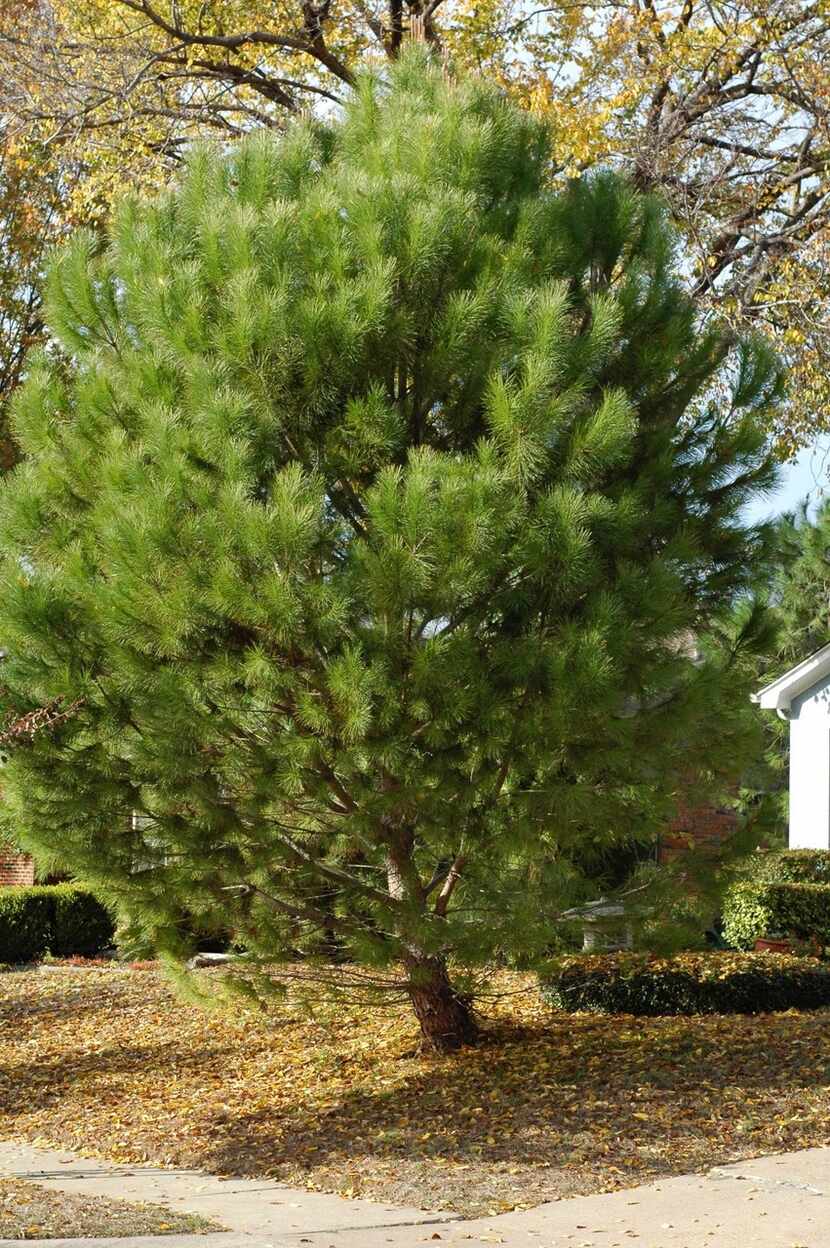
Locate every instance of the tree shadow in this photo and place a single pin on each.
(531, 1097)
(532, 1116)
(571, 1104)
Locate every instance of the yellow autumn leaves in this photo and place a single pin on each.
(109, 1062)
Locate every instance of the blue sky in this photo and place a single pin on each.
(808, 475)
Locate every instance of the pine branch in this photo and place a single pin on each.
(450, 883)
(332, 872)
(297, 910)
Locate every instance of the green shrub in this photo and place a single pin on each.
(26, 923)
(754, 908)
(809, 865)
(82, 924)
(62, 919)
(785, 893)
(699, 983)
(789, 866)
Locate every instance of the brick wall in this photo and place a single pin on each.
(701, 826)
(15, 869)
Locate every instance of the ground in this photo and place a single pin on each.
(111, 1062)
(30, 1212)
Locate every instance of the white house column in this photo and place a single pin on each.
(802, 695)
(810, 775)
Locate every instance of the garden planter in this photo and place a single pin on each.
(799, 948)
(764, 945)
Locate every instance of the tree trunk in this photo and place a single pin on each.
(446, 1019)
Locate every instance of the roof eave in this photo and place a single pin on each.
(779, 694)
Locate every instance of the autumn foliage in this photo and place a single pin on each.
(110, 1064)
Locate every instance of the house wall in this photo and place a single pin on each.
(810, 768)
(695, 827)
(16, 870)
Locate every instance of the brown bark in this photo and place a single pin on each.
(447, 1022)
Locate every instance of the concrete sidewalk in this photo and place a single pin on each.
(250, 1206)
(781, 1201)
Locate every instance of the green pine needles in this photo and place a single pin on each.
(372, 496)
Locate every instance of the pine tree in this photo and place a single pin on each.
(802, 589)
(372, 495)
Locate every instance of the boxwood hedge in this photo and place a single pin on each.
(62, 919)
(699, 983)
(785, 893)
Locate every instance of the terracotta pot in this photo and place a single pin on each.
(765, 945)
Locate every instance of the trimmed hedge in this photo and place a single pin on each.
(793, 866)
(690, 983)
(62, 919)
(83, 925)
(786, 893)
(753, 908)
(27, 917)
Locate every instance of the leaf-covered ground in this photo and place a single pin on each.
(31, 1212)
(110, 1062)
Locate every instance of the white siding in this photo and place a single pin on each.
(810, 768)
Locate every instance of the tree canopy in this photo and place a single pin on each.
(720, 107)
(379, 513)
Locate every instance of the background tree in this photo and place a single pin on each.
(363, 522)
(31, 218)
(722, 107)
(35, 211)
(802, 588)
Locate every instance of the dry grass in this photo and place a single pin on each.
(110, 1062)
(28, 1211)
